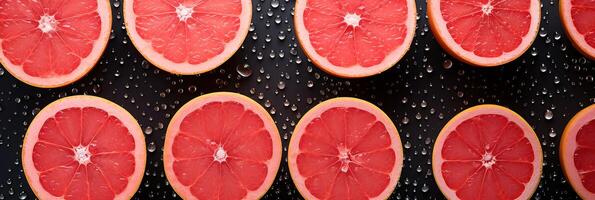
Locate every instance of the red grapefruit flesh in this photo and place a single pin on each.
(577, 152)
(345, 148)
(353, 38)
(84, 147)
(187, 36)
(577, 17)
(221, 146)
(487, 152)
(52, 43)
(485, 32)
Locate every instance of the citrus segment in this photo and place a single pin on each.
(577, 152)
(482, 32)
(345, 148)
(52, 43)
(222, 145)
(487, 152)
(355, 38)
(577, 17)
(84, 147)
(187, 37)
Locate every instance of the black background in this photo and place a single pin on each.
(420, 94)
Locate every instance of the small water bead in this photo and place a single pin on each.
(151, 147)
(405, 120)
(148, 129)
(281, 85)
(548, 114)
(275, 3)
(407, 145)
(552, 133)
(244, 70)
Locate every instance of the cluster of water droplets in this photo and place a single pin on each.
(427, 87)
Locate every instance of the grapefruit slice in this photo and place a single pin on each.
(52, 43)
(345, 148)
(187, 37)
(577, 152)
(485, 32)
(84, 147)
(221, 146)
(352, 38)
(487, 152)
(577, 17)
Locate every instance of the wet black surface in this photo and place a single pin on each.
(420, 94)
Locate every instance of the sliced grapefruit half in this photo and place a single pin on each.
(352, 38)
(487, 152)
(345, 148)
(577, 18)
(84, 147)
(577, 152)
(187, 37)
(485, 32)
(221, 146)
(52, 43)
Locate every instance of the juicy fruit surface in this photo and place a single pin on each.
(188, 31)
(487, 157)
(583, 13)
(84, 152)
(356, 33)
(223, 150)
(487, 28)
(584, 155)
(346, 153)
(48, 38)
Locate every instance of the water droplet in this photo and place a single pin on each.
(548, 114)
(151, 147)
(244, 70)
(281, 85)
(447, 64)
(148, 129)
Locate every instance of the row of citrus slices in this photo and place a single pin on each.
(52, 43)
(226, 146)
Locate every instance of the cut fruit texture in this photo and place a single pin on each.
(84, 147)
(222, 145)
(355, 38)
(187, 37)
(487, 152)
(577, 152)
(577, 17)
(485, 32)
(52, 43)
(345, 148)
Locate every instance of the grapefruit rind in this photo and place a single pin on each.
(84, 101)
(358, 71)
(533, 183)
(439, 29)
(315, 112)
(192, 105)
(105, 14)
(568, 146)
(577, 40)
(159, 60)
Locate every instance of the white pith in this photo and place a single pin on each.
(487, 8)
(82, 154)
(352, 19)
(47, 23)
(220, 155)
(184, 13)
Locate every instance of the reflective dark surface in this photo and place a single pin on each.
(547, 86)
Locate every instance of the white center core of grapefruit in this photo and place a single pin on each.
(184, 12)
(220, 155)
(352, 19)
(345, 160)
(47, 23)
(82, 154)
(488, 160)
(487, 8)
